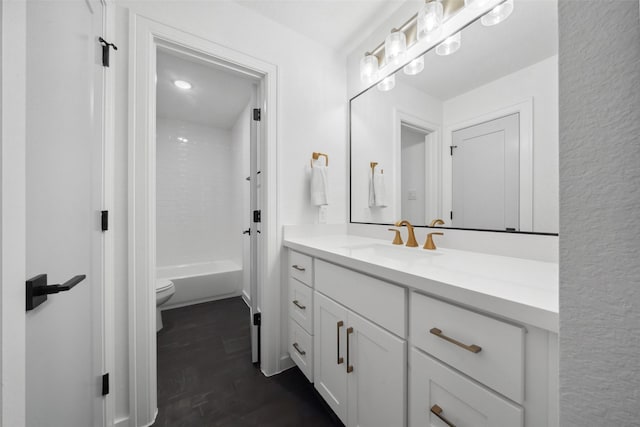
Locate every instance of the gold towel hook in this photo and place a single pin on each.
(373, 165)
(316, 156)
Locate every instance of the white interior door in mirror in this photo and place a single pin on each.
(485, 166)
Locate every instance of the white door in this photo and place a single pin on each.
(377, 381)
(330, 368)
(486, 175)
(64, 198)
(254, 231)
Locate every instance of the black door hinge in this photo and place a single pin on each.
(104, 220)
(105, 384)
(257, 216)
(451, 147)
(105, 51)
(257, 114)
(450, 214)
(257, 319)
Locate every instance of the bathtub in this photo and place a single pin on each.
(201, 282)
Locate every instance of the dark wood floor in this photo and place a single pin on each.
(206, 378)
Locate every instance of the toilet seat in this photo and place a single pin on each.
(163, 284)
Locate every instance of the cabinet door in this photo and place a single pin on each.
(377, 381)
(439, 395)
(330, 374)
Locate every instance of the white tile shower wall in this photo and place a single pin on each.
(196, 204)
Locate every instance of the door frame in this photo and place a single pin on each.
(144, 36)
(525, 109)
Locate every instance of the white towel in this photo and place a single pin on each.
(319, 183)
(377, 193)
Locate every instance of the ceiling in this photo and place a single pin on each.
(528, 36)
(339, 24)
(216, 99)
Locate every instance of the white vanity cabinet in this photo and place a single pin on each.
(300, 308)
(359, 366)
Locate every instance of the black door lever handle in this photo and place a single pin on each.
(37, 289)
(54, 289)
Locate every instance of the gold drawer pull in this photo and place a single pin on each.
(349, 366)
(472, 348)
(437, 411)
(297, 304)
(302, 352)
(340, 360)
(297, 267)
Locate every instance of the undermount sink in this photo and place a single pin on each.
(374, 251)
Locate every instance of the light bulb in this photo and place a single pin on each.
(450, 45)
(182, 84)
(430, 19)
(497, 14)
(387, 84)
(395, 46)
(369, 69)
(476, 4)
(415, 66)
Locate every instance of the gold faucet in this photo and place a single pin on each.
(411, 238)
(429, 243)
(435, 222)
(397, 240)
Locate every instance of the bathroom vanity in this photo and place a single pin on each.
(397, 336)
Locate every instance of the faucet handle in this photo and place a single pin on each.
(397, 240)
(429, 243)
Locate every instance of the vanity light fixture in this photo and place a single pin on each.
(387, 84)
(183, 139)
(415, 66)
(497, 14)
(450, 45)
(395, 47)
(429, 20)
(182, 84)
(476, 4)
(369, 68)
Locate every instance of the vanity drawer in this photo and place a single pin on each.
(377, 300)
(301, 304)
(301, 267)
(489, 350)
(301, 348)
(436, 388)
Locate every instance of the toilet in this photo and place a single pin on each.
(164, 291)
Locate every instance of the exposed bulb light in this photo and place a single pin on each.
(395, 47)
(182, 139)
(387, 83)
(415, 66)
(430, 19)
(369, 68)
(450, 45)
(182, 84)
(477, 4)
(497, 14)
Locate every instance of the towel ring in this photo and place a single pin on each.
(316, 156)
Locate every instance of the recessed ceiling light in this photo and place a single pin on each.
(182, 84)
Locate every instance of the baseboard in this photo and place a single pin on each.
(121, 422)
(200, 301)
(245, 297)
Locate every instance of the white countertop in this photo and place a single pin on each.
(523, 290)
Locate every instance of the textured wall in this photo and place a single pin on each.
(599, 213)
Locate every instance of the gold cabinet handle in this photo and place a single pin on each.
(297, 304)
(472, 348)
(297, 347)
(340, 360)
(349, 366)
(437, 411)
(297, 267)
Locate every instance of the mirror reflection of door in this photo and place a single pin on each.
(486, 175)
(413, 183)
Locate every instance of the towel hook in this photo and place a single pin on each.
(373, 166)
(316, 156)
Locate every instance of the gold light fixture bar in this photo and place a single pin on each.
(410, 27)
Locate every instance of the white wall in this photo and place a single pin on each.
(312, 116)
(197, 207)
(539, 81)
(599, 213)
(374, 133)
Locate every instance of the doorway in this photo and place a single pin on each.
(143, 216)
